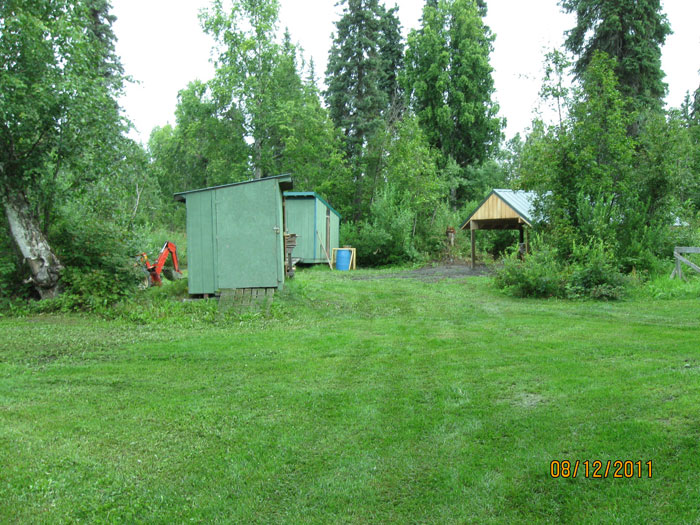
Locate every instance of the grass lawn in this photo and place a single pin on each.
(354, 401)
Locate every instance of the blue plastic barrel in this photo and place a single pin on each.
(342, 260)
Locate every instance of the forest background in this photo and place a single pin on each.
(404, 141)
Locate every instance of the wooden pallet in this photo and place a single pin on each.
(241, 300)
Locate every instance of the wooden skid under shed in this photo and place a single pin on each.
(243, 299)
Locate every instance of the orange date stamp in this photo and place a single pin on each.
(617, 469)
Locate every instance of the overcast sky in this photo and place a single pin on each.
(163, 48)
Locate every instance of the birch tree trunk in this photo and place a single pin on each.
(43, 264)
(257, 146)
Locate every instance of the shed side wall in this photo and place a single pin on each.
(335, 231)
(201, 247)
(321, 248)
(300, 220)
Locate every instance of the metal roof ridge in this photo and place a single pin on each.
(500, 192)
(182, 193)
(312, 194)
(516, 193)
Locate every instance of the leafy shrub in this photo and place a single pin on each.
(386, 237)
(100, 267)
(8, 270)
(590, 272)
(538, 274)
(593, 273)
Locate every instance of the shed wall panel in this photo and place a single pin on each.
(320, 236)
(300, 220)
(307, 217)
(279, 233)
(201, 245)
(249, 251)
(335, 232)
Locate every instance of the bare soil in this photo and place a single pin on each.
(431, 273)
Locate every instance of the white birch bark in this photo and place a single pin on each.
(43, 264)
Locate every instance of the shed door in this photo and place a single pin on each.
(328, 231)
(249, 230)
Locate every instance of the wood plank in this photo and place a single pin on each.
(686, 249)
(689, 263)
(495, 208)
(473, 244)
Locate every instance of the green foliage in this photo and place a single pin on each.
(59, 77)
(363, 65)
(410, 166)
(449, 83)
(661, 288)
(606, 185)
(304, 141)
(258, 94)
(688, 117)
(61, 138)
(590, 272)
(539, 274)
(363, 94)
(99, 258)
(632, 32)
(594, 273)
(205, 148)
(386, 237)
(10, 277)
(480, 178)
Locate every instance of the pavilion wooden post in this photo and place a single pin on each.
(471, 229)
(521, 244)
(527, 241)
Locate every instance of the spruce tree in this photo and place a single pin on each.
(362, 72)
(363, 92)
(632, 32)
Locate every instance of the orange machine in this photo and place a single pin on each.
(155, 270)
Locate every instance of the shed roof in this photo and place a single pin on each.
(284, 180)
(311, 194)
(521, 202)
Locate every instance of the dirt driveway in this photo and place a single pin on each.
(431, 273)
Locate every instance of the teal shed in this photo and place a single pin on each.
(235, 235)
(315, 222)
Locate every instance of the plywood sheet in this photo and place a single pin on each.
(494, 208)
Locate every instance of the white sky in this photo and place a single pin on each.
(163, 48)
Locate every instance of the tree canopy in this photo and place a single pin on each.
(631, 31)
(449, 81)
(59, 79)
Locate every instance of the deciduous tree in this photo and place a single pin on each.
(603, 184)
(448, 77)
(59, 78)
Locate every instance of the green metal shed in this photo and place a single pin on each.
(315, 222)
(235, 235)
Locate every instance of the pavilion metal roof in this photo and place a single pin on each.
(522, 202)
